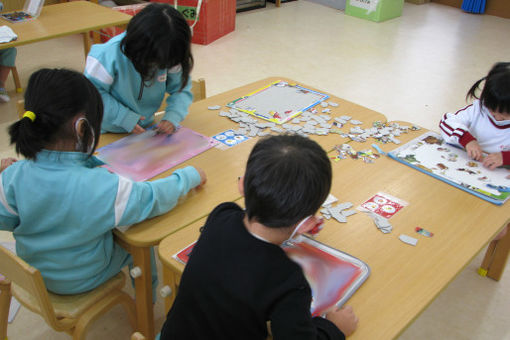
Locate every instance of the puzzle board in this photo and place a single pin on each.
(143, 156)
(278, 102)
(333, 275)
(430, 154)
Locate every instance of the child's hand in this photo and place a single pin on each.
(165, 127)
(203, 177)
(474, 150)
(138, 129)
(344, 319)
(6, 162)
(493, 160)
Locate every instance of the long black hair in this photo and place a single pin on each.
(496, 92)
(287, 178)
(158, 37)
(56, 96)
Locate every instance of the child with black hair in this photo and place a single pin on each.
(238, 277)
(483, 127)
(59, 206)
(135, 69)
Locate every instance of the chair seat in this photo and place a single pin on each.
(70, 306)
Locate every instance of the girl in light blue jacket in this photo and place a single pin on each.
(134, 70)
(59, 206)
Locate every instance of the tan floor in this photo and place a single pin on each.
(412, 68)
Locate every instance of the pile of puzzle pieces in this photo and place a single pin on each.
(382, 132)
(338, 212)
(345, 150)
(312, 122)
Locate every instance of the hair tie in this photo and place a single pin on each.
(30, 115)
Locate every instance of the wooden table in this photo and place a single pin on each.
(55, 21)
(223, 167)
(404, 279)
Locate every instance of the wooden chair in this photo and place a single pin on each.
(64, 313)
(198, 89)
(5, 302)
(20, 107)
(137, 336)
(17, 82)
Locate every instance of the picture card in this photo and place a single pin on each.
(383, 205)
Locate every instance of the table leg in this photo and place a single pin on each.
(5, 304)
(96, 37)
(278, 3)
(143, 288)
(170, 279)
(495, 258)
(86, 43)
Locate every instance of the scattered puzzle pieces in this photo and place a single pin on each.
(408, 240)
(338, 212)
(381, 223)
(319, 124)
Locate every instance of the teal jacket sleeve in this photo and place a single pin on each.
(116, 115)
(137, 201)
(178, 102)
(9, 218)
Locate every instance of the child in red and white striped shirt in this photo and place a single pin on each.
(483, 128)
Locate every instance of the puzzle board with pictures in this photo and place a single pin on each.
(430, 154)
(278, 102)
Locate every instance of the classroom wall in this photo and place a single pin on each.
(499, 8)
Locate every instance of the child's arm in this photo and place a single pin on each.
(137, 201)
(291, 319)
(455, 127)
(177, 104)
(8, 212)
(116, 115)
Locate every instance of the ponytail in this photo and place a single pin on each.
(472, 91)
(495, 94)
(55, 96)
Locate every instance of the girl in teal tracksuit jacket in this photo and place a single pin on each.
(59, 206)
(134, 70)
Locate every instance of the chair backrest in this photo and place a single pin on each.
(28, 278)
(198, 89)
(20, 107)
(137, 336)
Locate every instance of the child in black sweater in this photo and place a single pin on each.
(238, 277)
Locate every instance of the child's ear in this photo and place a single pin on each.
(240, 185)
(79, 125)
(310, 224)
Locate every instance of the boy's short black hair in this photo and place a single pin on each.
(496, 92)
(287, 178)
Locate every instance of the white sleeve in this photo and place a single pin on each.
(456, 125)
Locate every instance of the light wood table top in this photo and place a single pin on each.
(65, 19)
(404, 279)
(222, 167)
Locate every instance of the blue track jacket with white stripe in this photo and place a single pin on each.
(61, 210)
(120, 86)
